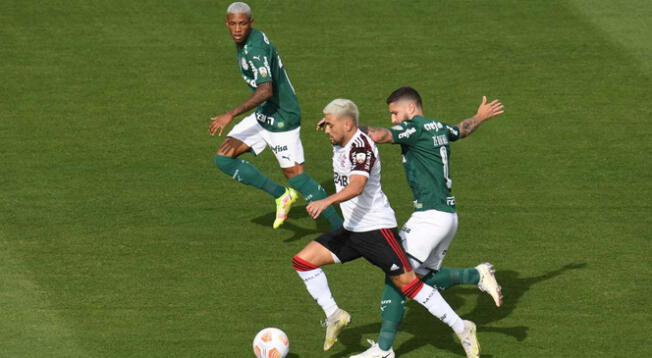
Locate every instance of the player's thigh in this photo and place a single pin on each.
(232, 147)
(437, 256)
(382, 249)
(424, 232)
(247, 132)
(287, 147)
(338, 243)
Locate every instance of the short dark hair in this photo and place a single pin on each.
(405, 93)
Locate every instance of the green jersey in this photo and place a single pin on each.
(259, 63)
(426, 159)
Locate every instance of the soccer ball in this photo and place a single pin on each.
(271, 343)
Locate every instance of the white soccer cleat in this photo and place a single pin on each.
(469, 340)
(488, 282)
(375, 352)
(335, 323)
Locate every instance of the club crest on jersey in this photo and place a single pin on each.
(244, 65)
(360, 157)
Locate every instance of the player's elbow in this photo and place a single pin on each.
(265, 91)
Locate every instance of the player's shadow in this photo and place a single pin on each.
(299, 212)
(427, 330)
(298, 232)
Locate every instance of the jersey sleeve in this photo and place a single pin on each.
(453, 132)
(404, 133)
(362, 158)
(259, 61)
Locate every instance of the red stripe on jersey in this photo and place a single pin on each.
(396, 247)
(412, 288)
(302, 265)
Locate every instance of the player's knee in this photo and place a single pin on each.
(301, 264)
(404, 279)
(293, 171)
(225, 164)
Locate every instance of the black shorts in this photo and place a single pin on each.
(380, 247)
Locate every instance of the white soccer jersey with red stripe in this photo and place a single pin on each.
(369, 210)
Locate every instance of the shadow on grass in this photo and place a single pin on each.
(298, 232)
(425, 330)
(299, 212)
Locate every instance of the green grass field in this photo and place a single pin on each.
(120, 238)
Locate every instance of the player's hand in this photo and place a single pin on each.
(219, 123)
(316, 207)
(488, 110)
(320, 124)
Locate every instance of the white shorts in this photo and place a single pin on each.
(426, 237)
(286, 146)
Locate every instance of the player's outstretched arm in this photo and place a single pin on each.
(355, 188)
(379, 135)
(263, 92)
(485, 111)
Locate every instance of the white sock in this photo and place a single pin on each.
(317, 285)
(432, 300)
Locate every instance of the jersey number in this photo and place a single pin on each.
(444, 159)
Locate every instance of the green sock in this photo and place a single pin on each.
(448, 277)
(244, 172)
(392, 308)
(311, 191)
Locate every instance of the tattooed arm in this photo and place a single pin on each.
(485, 111)
(378, 134)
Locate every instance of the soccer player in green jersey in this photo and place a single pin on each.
(275, 122)
(428, 233)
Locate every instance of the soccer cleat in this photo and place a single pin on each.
(283, 206)
(375, 352)
(334, 325)
(488, 282)
(469, 340)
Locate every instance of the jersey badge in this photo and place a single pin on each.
(360, 157)
(263, 72)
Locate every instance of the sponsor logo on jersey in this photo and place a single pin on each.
(263, 72)
(394, 267)
(407, 133)
(452, 130)
(279, 148)
(433, 126)
(243, 64)
(341, 180)
(450, 201)
(397, 127)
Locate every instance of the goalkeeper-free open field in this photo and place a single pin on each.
(120, 238)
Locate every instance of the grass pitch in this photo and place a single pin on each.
(119, 238)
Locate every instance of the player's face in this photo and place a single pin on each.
(399, 111)
(333, 128)
(239, 26)
(336, 128)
